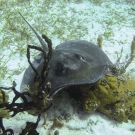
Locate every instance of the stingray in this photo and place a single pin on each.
(74, 62)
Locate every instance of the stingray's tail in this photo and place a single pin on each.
(44, 46)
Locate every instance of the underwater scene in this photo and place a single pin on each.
(67, 67)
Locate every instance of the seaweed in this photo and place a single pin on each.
(100, 41)
(41, 89)
(97, 2)
(133, 9)
(4, 132)
(30, 128)
(39, 95)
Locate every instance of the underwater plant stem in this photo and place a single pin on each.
(132, 53)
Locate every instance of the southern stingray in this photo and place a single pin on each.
(74, 62)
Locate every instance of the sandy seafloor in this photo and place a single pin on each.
(61, 21)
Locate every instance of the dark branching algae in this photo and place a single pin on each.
(83, 69)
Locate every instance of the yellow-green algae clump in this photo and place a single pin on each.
(113, 96)
(4, 113)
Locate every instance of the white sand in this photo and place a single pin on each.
(63, 21)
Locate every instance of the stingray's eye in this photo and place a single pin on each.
(79, 57)
(60, 70)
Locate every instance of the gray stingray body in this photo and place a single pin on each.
(74, 62)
